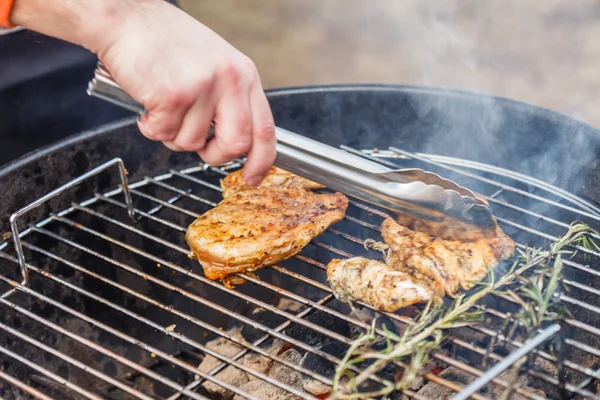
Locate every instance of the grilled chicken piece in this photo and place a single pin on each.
(276, 177)
(447, 228)
(261, 226)
(452, 264)
(418, 251)
(377, 284)
(398, 264)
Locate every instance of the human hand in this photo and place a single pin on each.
(183, 73)
(186, 76)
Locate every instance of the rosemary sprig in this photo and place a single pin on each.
(538, 297)
(424, 334)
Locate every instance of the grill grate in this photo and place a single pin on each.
(142, 305)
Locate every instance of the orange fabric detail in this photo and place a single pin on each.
(5, 9)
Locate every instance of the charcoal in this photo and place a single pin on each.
(261, 363)
(434, 391)
(321, 366)
(323, 320)
(366, 315)
(230, 375)
(522, 383)
(263, 317)
(289, 305)
(268, 318)
(286, 374)
(314, 387)
(263, 390)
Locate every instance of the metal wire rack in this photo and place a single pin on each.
(106, 306)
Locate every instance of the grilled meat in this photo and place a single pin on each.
(447, 228)
(419, 267)
(452, 264)
(398, 264)
(276, 177)
(377, 284)
(260, 226)
(418, 251)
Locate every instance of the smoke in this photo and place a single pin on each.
(450, 51)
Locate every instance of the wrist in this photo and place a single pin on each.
(92, 24)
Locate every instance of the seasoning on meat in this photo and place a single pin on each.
(276, 177)
(259, 226)
(377, 284)
(419, 266)
(452, 264)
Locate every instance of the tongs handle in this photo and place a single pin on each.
(104, 87)
(340, 170)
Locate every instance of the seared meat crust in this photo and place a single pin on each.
(377, 284)
(419, 267)
(260, 226)
(276, 177)
(452, 264)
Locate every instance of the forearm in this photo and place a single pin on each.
(89, 23)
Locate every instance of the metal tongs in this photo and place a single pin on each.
(414, 191)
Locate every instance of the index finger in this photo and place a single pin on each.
(262, 153)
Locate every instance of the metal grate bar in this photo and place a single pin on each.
(164, 203)
(355, 240)
(201, 300)
(196, 180)
(257, 342)
(124, 336)
(497, 184)
(24, 387)
(570, 387)
(163, 306)
(507, 362)
(62, 356)
(337, 251)
(148, 215)
(104, 351)
(477, 373)
(549, 237)
(181, 192)
(62, 381)
(18, 214)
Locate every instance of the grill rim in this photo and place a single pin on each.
(278, 93)
(273, 94)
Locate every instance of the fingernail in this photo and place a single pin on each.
(254, 180)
